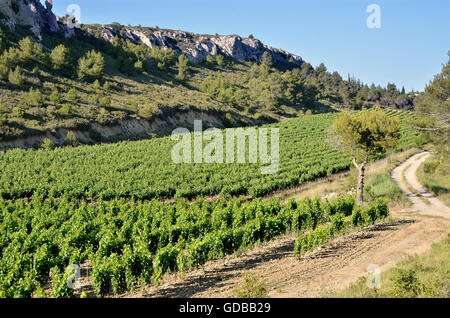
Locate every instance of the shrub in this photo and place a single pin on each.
(165, 261)
(251, 287)
(60, 288)
(72, 95)
(35, 97)
(406, 284)
(90, 66)
(357, 218)
(71, 139)
(15, 77)
(104, 101)
(60, 58)
(4, 71)
(210, 61)
(55, 97)
(65, 110)
(182, 66)
(220, 60)
(101, 277)
(31, 53)
(47, 144)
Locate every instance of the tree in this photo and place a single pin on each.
(90, 66)
(35, 97)
(182, 66)
(47, 144)
(1, 40)
(433, 110)
(267, 59)
(60, 58)
(15, 77)
(220, 60)
(210, 61)
(31, 53)
(71, 139)
(364, 135)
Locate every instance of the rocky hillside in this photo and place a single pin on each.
(195, 46)
(114, 82)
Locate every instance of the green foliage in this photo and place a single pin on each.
(47, 144)
(56, 97)
(182, 66)
(432, 110)
(251, 287)
(35, 98)
(210, 61)
(90, 66)
(406, 284)
(220, 60)
(31, 53)
(367, 133)
(305, 155)
(60, 58)
(72, 95)
(65, 110)
(267, 59)
(60, 288)
(71, 139)
(15, 77)
(163, 58)
(119, 237)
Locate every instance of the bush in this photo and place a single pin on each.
(4, 72)
(210, 61)
(163, 58)
(65, 110)
(60, 288)
(251, 287)
(165, 261)
(15, 77)
(90, 66)
(55, 97)
(47, 144)
(72, 95)
(182, 66)
(101, 278)
(406, 284)
(60, 58)
(71, 139)
(35, 97)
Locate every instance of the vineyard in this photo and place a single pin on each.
(130, 245)
(144, 170)
(103, 204)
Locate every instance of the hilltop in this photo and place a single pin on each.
(115, 82)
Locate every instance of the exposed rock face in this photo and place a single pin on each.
(29, 13)
(195, 46)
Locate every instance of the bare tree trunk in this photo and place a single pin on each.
(361, 175)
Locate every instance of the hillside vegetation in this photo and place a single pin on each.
(73, 83)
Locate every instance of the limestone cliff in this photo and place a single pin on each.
(195, 46)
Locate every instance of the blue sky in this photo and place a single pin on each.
(408, 49)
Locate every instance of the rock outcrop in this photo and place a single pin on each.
(29, 13)
(195, 46)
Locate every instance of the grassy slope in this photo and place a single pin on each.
(424, 276)
(435, 179)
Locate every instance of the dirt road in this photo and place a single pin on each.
(327, 269)
(405, 177)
